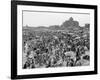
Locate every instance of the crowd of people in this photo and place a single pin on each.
(55, 49)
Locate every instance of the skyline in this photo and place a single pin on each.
(35, 19)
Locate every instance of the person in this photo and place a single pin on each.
(29, 63)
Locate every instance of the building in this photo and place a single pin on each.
(87, 26)
(70, 23)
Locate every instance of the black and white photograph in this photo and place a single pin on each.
(53, 39)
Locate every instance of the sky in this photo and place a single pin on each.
(35, 19)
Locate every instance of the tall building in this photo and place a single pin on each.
(87, 26)
(70, 23)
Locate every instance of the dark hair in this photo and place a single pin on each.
(87, 57)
